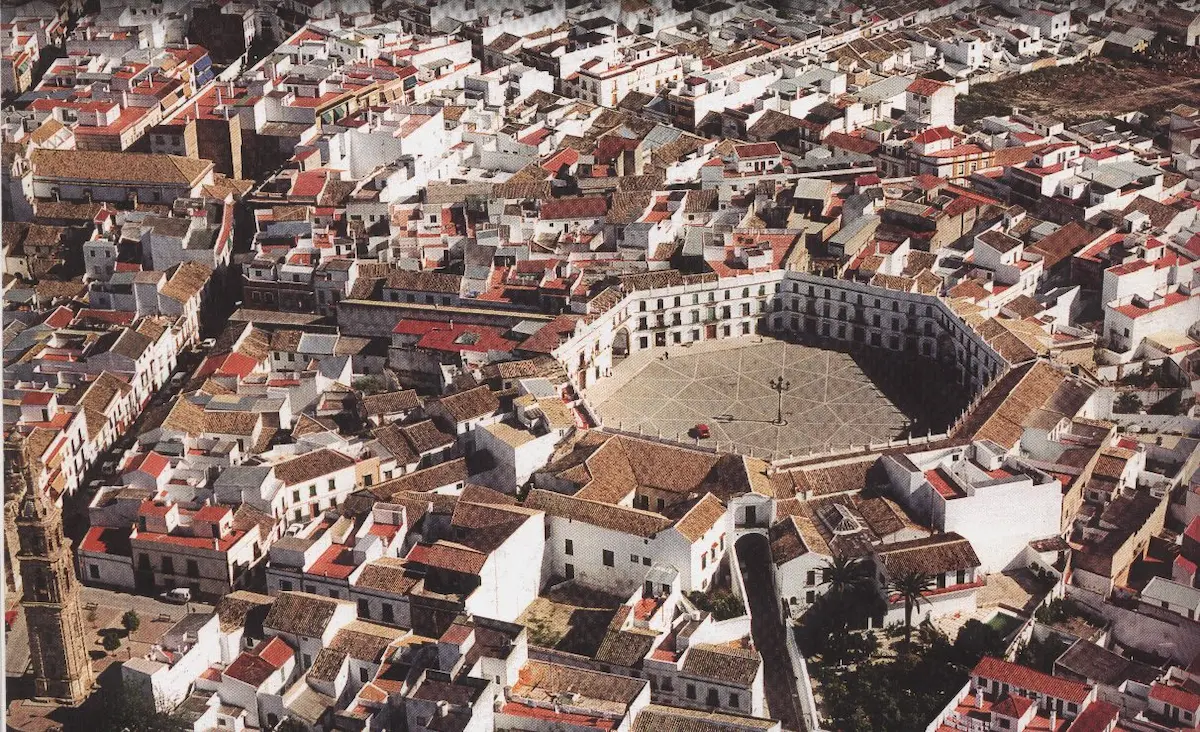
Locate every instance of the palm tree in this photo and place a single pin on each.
(846, 577)
(910, 587)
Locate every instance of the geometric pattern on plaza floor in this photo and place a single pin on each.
(831, 403)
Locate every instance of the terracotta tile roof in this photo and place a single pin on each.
(108, 168)
(423, 481)
(236, 609)
(311, 466)
(573, 208)
(186, 281)
(101, 392)
(701, 518)
(387, 574)
(726, 664)
(615, 518)
(470, 404)
(931, 555)
(1175, 696)
(391, 402)
(422, 281)
(449, 556)
(1027, 679)
(656, 718)
(302, 614)
(545, 681)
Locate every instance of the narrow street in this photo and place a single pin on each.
(75, 507)
(768, 630)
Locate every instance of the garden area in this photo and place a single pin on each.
(891, 679)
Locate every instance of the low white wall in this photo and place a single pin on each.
(808, 703)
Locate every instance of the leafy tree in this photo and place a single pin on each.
(131, 621)
(722, 603)
(129, 708)
(111, 642)
(976, 640)
(1127, 403)
(371, 384)
(911, 588)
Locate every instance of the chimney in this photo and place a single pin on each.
(1053, 719)
(979, 697)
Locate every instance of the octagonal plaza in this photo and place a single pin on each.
(726, 384)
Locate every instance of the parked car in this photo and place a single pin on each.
(177, 596)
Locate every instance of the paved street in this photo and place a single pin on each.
(155, 615)
(767, 628)
(726, 385)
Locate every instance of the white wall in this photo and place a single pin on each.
(1000, 520)
(511, 576)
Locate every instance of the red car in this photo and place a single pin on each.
(701, 431)
(10, 617)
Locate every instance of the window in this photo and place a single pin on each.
(332, 485)
(569, 571)
(364, 610)
(193, 568)
(94, 571)
(168, 565)
(296, 497)
(703, 561)
(691, 691)
(569, 550)
(387, 613)
(306, 660)
(609, 559)
(312, 491)
(713, 699)
(812, 577)
(362, 675)
(285, 585)
(734, 700)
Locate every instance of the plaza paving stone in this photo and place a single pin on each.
(831, 402)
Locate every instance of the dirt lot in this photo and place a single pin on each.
(1090, 89)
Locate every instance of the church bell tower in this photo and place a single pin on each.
(62, 669)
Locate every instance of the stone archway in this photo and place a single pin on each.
(620, 345)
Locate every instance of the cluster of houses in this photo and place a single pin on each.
(304, 301)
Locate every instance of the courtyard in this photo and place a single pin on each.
(828, 401)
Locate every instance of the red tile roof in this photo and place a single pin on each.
(757, 150)
(1096, 718)
(1022, 677)
(448, 556)
(925, 87)
(1175, 697)
(1012, 706)
(150, 463)
(592, 207)
(275, 652)
(37, 397)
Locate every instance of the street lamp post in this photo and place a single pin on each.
(779, 386)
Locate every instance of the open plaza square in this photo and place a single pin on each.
(733, 388)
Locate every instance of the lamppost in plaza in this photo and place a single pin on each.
(779, 386)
